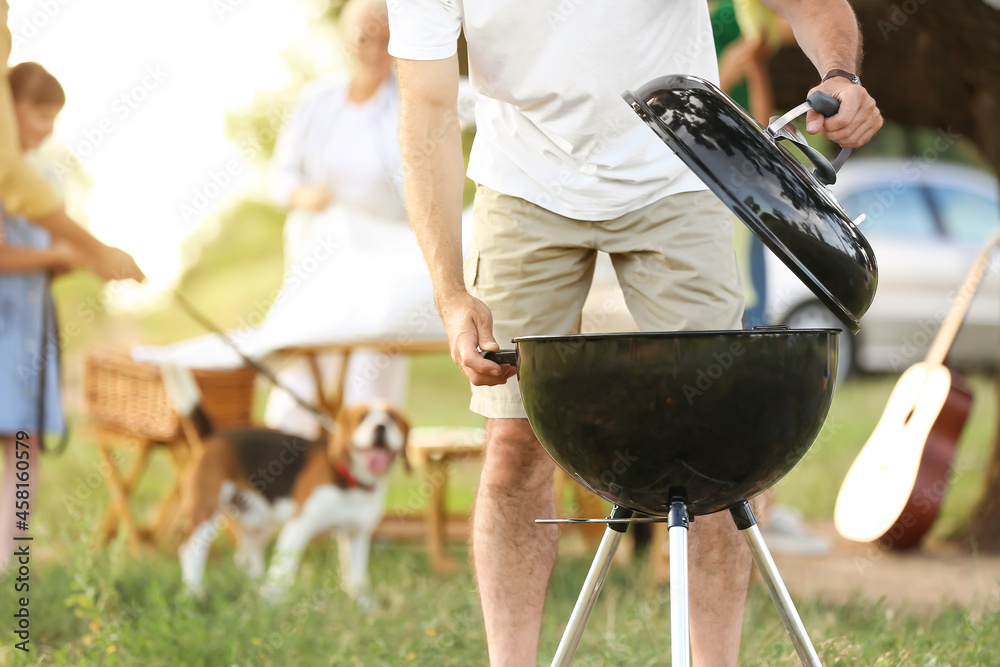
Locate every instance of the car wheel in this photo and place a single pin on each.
(814, 315)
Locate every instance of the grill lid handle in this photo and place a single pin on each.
(828, 105)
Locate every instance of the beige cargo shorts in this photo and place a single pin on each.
(674, 260)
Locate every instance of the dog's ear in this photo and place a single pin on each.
(339, 442)
(403, 425)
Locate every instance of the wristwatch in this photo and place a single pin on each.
(850, 76)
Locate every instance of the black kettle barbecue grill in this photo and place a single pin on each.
(680, 424)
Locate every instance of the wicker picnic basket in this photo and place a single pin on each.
(126, 396)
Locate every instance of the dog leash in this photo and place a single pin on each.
(324, 417)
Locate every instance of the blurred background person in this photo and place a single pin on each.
(762, 32)
(29, 336)
(337, 168)
(24, 192)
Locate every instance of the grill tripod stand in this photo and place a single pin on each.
(680, 642)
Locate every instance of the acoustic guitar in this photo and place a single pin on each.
(893, 491)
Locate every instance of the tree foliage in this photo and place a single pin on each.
(927, 64)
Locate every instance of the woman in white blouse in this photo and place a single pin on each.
(337, 168)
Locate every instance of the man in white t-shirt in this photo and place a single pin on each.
(564, 168)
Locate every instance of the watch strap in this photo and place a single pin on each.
(850, 76)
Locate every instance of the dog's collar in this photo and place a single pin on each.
(348, 480)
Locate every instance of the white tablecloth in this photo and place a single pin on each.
(367, 284)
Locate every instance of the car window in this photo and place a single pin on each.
(967, 217)
(893, 209)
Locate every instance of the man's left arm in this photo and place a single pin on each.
(827, 32)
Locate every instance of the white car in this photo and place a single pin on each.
(926, 222)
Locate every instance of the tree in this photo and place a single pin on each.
(935, 65)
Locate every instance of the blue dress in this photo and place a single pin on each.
(26, 308)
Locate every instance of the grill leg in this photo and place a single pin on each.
(747, 523)
(680, 627)
(591, 588)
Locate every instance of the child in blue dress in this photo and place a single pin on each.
(29, 340)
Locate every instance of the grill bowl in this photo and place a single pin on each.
(713, 417)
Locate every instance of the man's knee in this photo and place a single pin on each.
(717, 527)
(715, 540)
(514, 457)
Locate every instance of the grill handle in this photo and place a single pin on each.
(501, 357)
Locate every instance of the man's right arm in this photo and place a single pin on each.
(433, 167)
(433, 172)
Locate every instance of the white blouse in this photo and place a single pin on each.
(352, 149)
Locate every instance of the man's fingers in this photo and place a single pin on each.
(855, 123)
(483, 373)
(468, 357)
(858, 134)
(488, 342)
(484, 380)
(861, 136)
(480, 371)
(815, 121)
(460, 346)
(470, 329)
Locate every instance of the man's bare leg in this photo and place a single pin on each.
(513, 555)
(719, 563)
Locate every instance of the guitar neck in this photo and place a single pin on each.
(960, 306)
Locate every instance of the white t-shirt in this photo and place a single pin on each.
(552, 127)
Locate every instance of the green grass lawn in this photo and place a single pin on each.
(109, 607)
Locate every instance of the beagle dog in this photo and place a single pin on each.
(264, 480)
